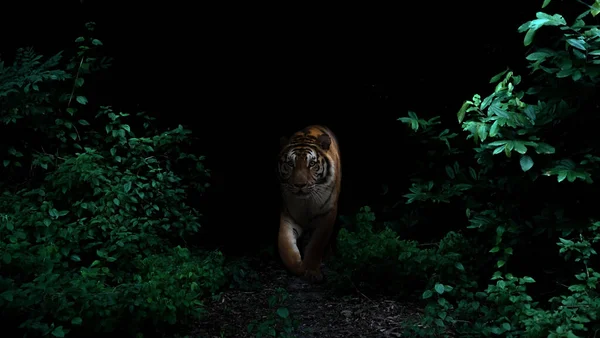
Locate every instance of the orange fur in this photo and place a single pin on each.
(310, 178)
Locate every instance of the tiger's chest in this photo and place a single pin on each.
(306, 211)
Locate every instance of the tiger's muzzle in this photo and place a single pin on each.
(302, 190)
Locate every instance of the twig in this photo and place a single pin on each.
(75, 82)
(357, 290)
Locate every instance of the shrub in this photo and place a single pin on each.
(94, 213)
(379, 261)
(522, 188)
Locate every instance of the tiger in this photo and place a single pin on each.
(310, 176)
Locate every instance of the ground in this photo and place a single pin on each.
(320, 313)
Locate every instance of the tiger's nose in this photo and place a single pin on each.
(300, 185)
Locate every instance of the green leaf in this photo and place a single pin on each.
(76, 321)
(427, 294)
(473, 173)
(494, 129)
(7, 295)
(529, 37)
(495, 249)
(595, 8)
(486, 102)
(96, 42)
(53, 212)
(80, 39)
(126, 127)
(283, 312)
(439, 288)
(520, 147)
(6, 258)
(528, 280)
(546, 3)
(500, 263)
(482, 131)
(463, 110)
(82, 100)
(565, 72)
(498, 76)
(536, 56)
(526, 163)
(84, 123)
(576, 43)
(544, 19)
(127, 187)
(6, 163)
(450, 172)
(499, 150)
(116, 201)
(58, 332)
(561, 175)
(459, 266)
(79, 82)
(544, 148)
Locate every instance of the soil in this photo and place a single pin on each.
(319, 312)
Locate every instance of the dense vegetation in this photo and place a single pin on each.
(521, 175)
(95, 208)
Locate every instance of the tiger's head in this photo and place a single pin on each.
(304, 168)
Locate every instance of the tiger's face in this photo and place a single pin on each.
(301, 171)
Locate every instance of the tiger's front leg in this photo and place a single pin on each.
(289, 232)
(316, 248)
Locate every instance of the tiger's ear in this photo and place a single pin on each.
(283, 141)
(324, 141)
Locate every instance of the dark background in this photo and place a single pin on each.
(242, 77)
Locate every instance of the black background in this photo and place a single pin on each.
(242, 76)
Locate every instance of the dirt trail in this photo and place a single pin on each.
(320, 313)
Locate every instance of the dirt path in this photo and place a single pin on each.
(320, 313)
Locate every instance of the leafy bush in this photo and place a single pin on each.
(94, 207)
(380, 261)
(523, 190)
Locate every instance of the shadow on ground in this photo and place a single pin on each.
(320, 313)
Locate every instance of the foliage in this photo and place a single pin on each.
(368, 259)
(278, 324)
(92, 231)
(523, 189)
(243, 276)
